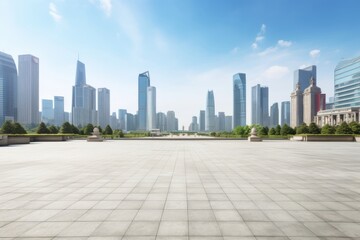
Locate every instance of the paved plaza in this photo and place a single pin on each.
(180, 190)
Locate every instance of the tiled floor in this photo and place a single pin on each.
(180, 190)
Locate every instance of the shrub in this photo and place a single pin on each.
(314, 129)
(42, 129)
(302, 129)
(343, 128)
(327, 129)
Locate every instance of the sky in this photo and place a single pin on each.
(188, 46)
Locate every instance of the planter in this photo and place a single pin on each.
(297, 138)
(50, 138)
(4, 140)
(18, 140)
(329, 138)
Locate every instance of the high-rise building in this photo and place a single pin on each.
(221, 117)
(67, 117)
(313, 102)
(151, 108)
(47, 111)
(228, 123)
(143, 84)
(260, 105)
(274, 115)
(194, 126)
(59, 110)
(130, 122)
(303, 76)
(83, 99)
(171, 121)
(113, 121)
(297, 107)
(210, 112)
(177, 124)
(8, 88)
(285, 113)
(122, 119)
(202, 121)
(161, 121)
(28, 90)
(239, 99)
(103, 107)
(347, 83)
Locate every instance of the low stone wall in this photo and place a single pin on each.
(332, 138)
(357, 139)
(4, 140)
(18, 140)
(297, 138)
(50, 138)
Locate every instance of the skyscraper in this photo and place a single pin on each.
(260, 105)
(171, 121)
(210, 112)
(202, 121)
(83, 99)
(347, 83)
(296, 107)
(313, 101)
(28, 90)
(113, 121)
(194, 126)
(47, 111)
(143, 84)
(228, 123)
(239, 99)
(274, 115)
(8, 88)
(122, 119)
(151, 108)
(161, 121)
(59, 117)
(130, 122)
(303, 76)
(103, 107)
(285, 113)
(221, 116)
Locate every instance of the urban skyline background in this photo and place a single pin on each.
(198, 48)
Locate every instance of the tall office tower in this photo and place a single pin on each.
(143, 84)
(221, 116)
(130, 122)
(194, 126)
(83, 99)
(202, 121)
(228, 123)
(103, 107)
(171, 121)
(47, 111)
(347, 83)
(303, 76)
(113, 121)
(260, 105)
(8, 88)
(122, 119)
(151, 108)
(161, 121)
(210, 112)
(274, 115)
(313, 101)
(216, 129)
(58, 110)
(28, 90)
(285, 113)
(297, 106)
(239, 99)
(67, 117)
(177, 124)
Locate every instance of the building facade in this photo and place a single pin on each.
(313, 102)
(103, 107)
(296, 118)
(202, 121)
(8, 88)
(210, 112)
(303, 76)
(228, 123)
(285, 113)
(194, 126)
(171, 121)
(59, 111)
(221, 116)
(161, 121)
(28, 90)
(239, 99)
(143, 84)
(122, 119)
(47, 111)
(274, 115)
(260, 105)
(151, 108)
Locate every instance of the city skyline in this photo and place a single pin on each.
(191, 60)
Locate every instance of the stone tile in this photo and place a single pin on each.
(201, 215)
(349, 229)
(234, 229)
(143, 228)
(176, 205)
(67, 215)
(79, 229)
(15, 229)
(294, 229)
(39, 215)
(173, 228)
(174, 215)
(264, 229)
(95, 215)
(204, 229)
(278, 215)
(148, 215)
(322, 229)
(111, 229)
(122, 215)
(253, 216)
(46, 229)
(227, 215)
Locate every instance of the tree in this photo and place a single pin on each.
(272, 131)
(278, 130)
(53, 129)
(343, 128)
(66, 128)
(75, 130)
(355, 127)
(327, 129)
(42, 129)
(119, 133)
(314, 129)
(88, 129)
(286, 130)
(264, 131)
(7, 127)
(302, 129)
(108, 130)
(18, 129)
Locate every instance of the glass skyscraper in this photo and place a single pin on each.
(210, 112)
(59, 115)
(47, 113)
(303, 76)
(202, 121)
(143, 84)
(151, 108)
(274, 115)
(103, 107)
(122, 119)
(347, 83)
(239, 99)
(285, 113)
(260, 105)
(8, 88)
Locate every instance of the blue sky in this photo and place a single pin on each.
(189, 46)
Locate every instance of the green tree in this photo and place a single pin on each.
(75, 130)
(327, 129)
(119, 133)
(343, 128)
(108, 130)
(302, 129)
(264, 131)
(53, 129)
(286, 130)
(314, 129)
(66, 128)
(278, 130)
(88, 129)
(42, 129)
(355, 127)
(272, 131)
(7, 127)
(18, 129)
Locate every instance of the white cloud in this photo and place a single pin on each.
(283, 43)
(259, 37)
(54, 12)
(314, 53)
(280, 44)
(276, 72)
(106, 6)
